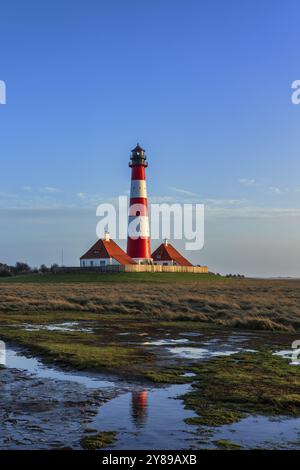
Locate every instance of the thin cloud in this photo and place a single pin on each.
(81, 195)
(182, 191)
(51, 190)
(270, 189)
(6, 195)
(163, 199)
(252, 212)
(247, 181)
(277, 190)
(225, 202)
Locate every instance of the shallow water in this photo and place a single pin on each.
(148, 419)
(17, 360)
(139, 416)
(153, 417)
(66, 326)
(290, 354)
(190, 333)
(2, 353)
(262, 432)
(200, 347)
(203, 353)
(164, 342)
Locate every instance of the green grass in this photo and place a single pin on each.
(100, 440)
(225, 444)
(83, 351)
(110, 277)
(227, 389)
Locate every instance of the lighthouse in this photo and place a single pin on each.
(138, 243)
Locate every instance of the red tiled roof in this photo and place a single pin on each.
(108, 249)
(168, 253)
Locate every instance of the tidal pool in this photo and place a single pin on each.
(66, 326)
(290, 354)
(144, 416)
(148, 419)
(164, 342)
(262, 432)
(17, 360)
(203, 353)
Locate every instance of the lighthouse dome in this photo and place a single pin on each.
(137, 149)
(138, 156)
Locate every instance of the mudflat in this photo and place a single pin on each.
(229, 341)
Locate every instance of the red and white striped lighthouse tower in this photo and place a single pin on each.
(138, 243)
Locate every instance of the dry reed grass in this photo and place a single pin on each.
(251, 304)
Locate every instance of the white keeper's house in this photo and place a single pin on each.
(105, 252)
(167, 255)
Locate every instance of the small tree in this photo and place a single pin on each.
(5, 270)
(43, 268)
(54, 267)
(22, 268)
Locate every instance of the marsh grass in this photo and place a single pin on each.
(224, 390)
(225, 444)
(98, 441)
(81, 351)
(227, 389)
(245, 304)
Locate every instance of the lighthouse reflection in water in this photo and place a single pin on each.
(139, 418)
(139, 403)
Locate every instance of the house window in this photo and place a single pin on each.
(92, 263)
(165, 264)
(158, 256)
(83, 263)
(102, 262)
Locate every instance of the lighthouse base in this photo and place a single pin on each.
(143, 260)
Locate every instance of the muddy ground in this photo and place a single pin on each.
(210, 337)
(44, 414)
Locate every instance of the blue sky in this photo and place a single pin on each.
(204, 86)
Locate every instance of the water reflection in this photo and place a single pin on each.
(139, 403)
(2, 353)
(140, 418)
